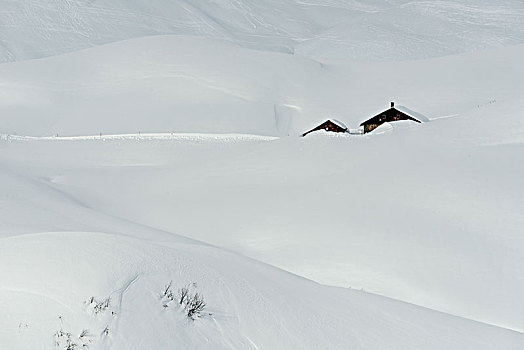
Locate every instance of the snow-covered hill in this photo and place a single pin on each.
(127, 186)
(323, 29)
(187, 84)
(250, 305)
(176, 157)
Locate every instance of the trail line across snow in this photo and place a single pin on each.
(147, 136)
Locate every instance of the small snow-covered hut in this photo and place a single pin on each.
(391, 115)
(332, 125)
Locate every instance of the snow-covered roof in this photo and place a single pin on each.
(390, 126)
(412, 113)
(339, 123)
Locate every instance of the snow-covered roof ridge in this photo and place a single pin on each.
(421, 117)
(339, 123)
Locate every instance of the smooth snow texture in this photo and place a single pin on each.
(177, 157)
(425, 221)
(183, 84)
(339, 123)
(252, 305)
(434, 192)
(327, 30)
(417, 115)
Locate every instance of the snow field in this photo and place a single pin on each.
(173, 155)
(252, 305)
(329, 31)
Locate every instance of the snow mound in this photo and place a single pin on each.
(184, 84)
(326, 30)
(412, 113)
(339, 123)
(255, 307)
(118, 161)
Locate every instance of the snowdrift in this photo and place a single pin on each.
(322, 29)
(426, 214)
(171, 153)
(183, 84)
(250, 305)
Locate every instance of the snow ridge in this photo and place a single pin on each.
(322, 29)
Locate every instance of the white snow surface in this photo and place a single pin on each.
(417, 115)
(184, 84)
(327, 30)
(177, 158)
(251, 305)
(339, 123)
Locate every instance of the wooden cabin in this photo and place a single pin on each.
(329, 125)
(390, 115)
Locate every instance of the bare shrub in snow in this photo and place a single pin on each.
(168, 293)
(183, 295)
(65, 340)
(99, 305)
(195, 306)
(70, 344)
(83, 334)
(192, 303)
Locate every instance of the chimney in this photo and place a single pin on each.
(392, 104)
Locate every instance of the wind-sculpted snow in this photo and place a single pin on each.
(249, 305)
(185, 84)
(321, 29)
(176, 158)
(427, 213)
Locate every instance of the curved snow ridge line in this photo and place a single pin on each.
(35, 293)
(197, 137)
(130, 242)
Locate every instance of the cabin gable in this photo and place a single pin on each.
(388, 116)
(328, 125)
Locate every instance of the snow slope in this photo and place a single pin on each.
(323, 29)
(177, 157)
(252, 305)
(49, 273)
(275, 201)
(186, 84)
(447, 225)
